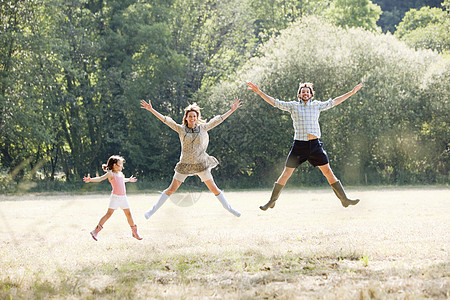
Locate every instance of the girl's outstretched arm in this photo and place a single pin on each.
(148, 106)
(235, 105)
(96, 179)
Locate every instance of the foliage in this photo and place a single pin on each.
(82, 67)
(26, 132)
(426, 28)
(219, 36)
(72, 74)
(374, 137)
(393, 11)
(446, 4)
(84, 93)
(354, 13)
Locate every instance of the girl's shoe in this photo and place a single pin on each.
(96, 231)
(134, 232)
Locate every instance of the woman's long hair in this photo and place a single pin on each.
(195, 108)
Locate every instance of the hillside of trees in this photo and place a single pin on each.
(394, 11)
(72, 74)
(393, 130)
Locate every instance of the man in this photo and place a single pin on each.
(305, 116)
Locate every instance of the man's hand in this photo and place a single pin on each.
(253, 87)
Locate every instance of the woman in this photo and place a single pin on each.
(194, 160)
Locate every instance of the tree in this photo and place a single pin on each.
(394, 11)
(426, 28)
(26, 131)
(72, 73)
(374, 137)
(354, 13)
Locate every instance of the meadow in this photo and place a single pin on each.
(393, 245)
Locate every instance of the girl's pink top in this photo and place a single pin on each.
(118, 184)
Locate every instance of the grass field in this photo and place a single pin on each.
(393, 245)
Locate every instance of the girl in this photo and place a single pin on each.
(194, 160)
(113, 169)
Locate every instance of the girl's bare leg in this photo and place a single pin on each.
(127, 213)
(133, 226)
(102, 221)
(105, 218)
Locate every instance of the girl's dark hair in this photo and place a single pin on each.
(307, 85)
(111, 162)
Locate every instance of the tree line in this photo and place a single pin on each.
(72, 74)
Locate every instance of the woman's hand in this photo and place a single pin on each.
(148, 106)
(236, 104)
(145, 105)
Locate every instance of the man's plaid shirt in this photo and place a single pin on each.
(305, 117)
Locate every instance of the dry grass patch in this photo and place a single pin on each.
(393, 245)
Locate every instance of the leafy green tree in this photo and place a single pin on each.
(219, 36)
(394, 11)
(355, 13)
(374, 137)
(446, 4)
(433, 119)
(72, 79)
(26, 131)
(72, 74)
(158, 73)
(426, 28)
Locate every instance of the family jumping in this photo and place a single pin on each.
(194, 161)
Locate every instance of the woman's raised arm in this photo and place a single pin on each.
(148, 106)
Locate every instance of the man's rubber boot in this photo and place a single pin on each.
(339, 191)
(275, 194)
